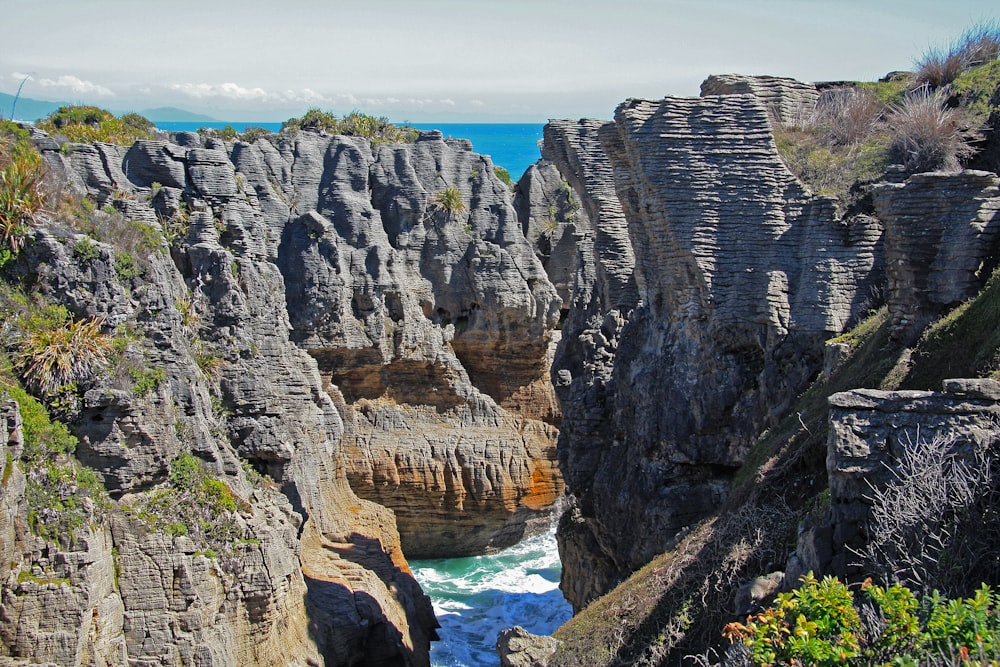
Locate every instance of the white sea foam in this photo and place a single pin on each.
(475, 598)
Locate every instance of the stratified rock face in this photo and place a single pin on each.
(741, 276)
(940, 229)
(869, 432)
(603, 294)
(431, 321)
(787, 100)
(317, 574)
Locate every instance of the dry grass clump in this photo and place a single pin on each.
(936, 526)
(928, 136)
(978, 45)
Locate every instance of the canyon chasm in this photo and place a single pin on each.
(382, 349)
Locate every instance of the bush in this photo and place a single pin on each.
(54, 353)
(978, 45)
(86, 124)
(928, 136)
(936, 526)
(21, 195)
(355, 124)
(823, 624)
(195, 504)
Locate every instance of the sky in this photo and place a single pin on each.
(448, 60)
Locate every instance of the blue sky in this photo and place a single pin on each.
(441, 60)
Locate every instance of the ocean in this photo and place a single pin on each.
(513, 146)
(477, 597)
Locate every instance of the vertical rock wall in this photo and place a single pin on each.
(740, 276)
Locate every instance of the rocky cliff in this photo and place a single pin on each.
(299, 316)
(740, 274)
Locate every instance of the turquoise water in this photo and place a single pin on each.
(513, 146)
(477, 597)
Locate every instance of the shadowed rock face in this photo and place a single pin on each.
(740, 275)
(323, 316)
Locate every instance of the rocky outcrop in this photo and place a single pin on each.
(305, 571)
(870, 430)
(741, 275)
(786, 100)
(324, 312)
(430, 320)
(519, 648)
(940, 243)
(603, 294)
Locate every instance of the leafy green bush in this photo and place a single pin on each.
(822, 623)
(504, 176)
(814, 625)
(86, 250)
(86, 124)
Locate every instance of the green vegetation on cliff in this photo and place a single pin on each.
(85, 124)
(354, 124)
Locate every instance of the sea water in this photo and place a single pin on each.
(513, 146)
(477, 597)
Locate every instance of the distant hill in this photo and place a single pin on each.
(27, 109)
(175, 115)
(32, 110)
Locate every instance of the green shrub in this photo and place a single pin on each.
(355, 124)
(195, 504)
(86, 124)
(145, 381)
(504, 176)
(86, 250)
(125, 265)
(61, 497)
(252, 134)
(820, 624)
(814, 625)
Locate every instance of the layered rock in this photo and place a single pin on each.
(317, 574)
(870, 431)
(741, 275)
(787, 100)
(430, 319)
(940, 243)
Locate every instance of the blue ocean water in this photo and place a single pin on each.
(477, 597)
(513, 146)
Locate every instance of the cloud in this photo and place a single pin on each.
(477, 103)
(75, 85)
(448, 101)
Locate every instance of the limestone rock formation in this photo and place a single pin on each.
(519, 648)
(940, 240)
(740, 275)
(410, 282)
(787, 100)
(870, 430)
(325, 312)
(305, 572)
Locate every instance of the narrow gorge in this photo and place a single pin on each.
(311, 357)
